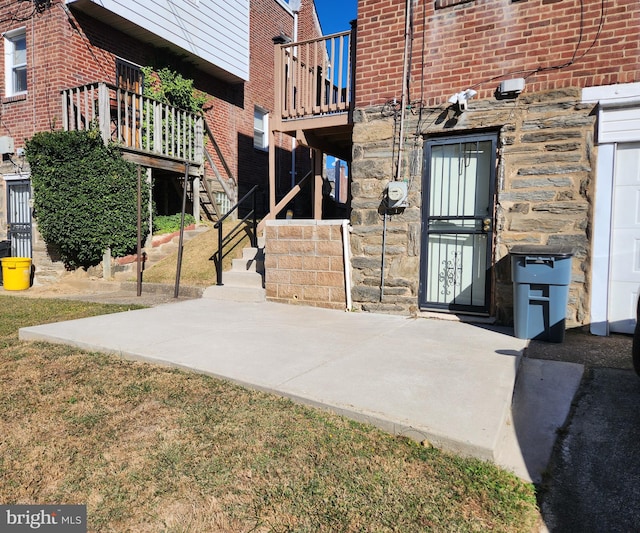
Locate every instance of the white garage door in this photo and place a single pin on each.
(625, 242)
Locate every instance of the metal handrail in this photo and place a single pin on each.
(218, 255)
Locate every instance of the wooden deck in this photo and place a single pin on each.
(314, 104)
(149, 132)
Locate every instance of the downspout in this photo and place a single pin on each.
(405, 87)
(403, 104)
(347, 263)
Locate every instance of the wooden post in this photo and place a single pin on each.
(176, 290)
(139, 244)
(65, 110)
(104, 112)
(317, 184)
(272, 171)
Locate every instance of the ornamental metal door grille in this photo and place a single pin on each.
(19, 217)
(457, 214)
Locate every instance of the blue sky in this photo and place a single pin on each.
(335, 15)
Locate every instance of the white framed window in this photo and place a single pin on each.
(15, 62)
(260, 128)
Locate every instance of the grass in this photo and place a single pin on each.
(197, 267)
(148, 448)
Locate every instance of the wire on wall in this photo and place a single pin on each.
(527, 73)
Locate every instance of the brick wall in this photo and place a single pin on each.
(475, 43)
(304, 263)
(68, 50)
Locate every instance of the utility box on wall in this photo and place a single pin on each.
(7, 145)
(397, 193)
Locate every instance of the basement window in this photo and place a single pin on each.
(15, 62)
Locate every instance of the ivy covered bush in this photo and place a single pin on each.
(170, 87)
(85, 196)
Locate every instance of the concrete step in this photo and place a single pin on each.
(247, 265)
(542, 397)
(251, 253)
(244, 282)
(242, 279)
(235, 293)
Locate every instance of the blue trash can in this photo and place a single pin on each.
(541, 276)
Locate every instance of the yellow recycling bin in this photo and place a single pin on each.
(16, 273)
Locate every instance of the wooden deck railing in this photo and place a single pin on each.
(136, 122)
(314, 77)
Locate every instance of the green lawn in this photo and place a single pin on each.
(148, 448)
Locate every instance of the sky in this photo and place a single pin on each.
(335, 15)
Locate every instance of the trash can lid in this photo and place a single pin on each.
(557, 250)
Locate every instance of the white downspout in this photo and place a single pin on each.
(347, 263)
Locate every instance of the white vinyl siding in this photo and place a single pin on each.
(15, 61)
(216, 31)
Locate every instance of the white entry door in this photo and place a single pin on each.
(625, 239)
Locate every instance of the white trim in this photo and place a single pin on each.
(609, 98)
(16, 177)
(600, 263)
(619, 93)
(284, 5)
(9, 65)
(264, 146)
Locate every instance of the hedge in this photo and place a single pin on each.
(85, 196)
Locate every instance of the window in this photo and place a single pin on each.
(260, 128)
(15, 54)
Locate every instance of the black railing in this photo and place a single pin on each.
(219, 255)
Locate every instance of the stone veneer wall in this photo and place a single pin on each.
(46, 269)
(545, 186)
(304, 263)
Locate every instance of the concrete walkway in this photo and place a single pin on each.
(446, 382)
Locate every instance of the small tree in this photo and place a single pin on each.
(85, 196)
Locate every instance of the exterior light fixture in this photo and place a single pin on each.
(460, 99)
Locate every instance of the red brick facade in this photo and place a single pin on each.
(67, 49)
(548, 157)
(477, 43)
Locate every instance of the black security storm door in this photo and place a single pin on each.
(457, 221)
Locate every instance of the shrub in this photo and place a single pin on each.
(170, 223)
(172, 88)
(85, 196)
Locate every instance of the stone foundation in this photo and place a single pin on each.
(544, 190)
